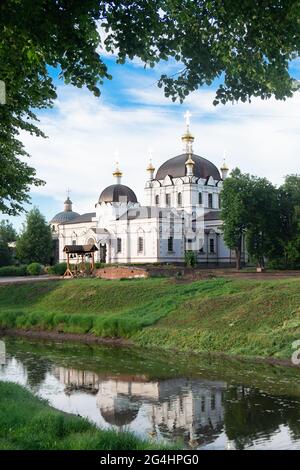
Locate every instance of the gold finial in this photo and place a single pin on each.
(224, 165)
(224, 168)
(150, 167)
(187, 137)
(117, 173)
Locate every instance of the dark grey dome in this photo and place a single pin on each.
(117, 193)
(64, 216)
(176, 168)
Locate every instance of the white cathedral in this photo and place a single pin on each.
(181, 213)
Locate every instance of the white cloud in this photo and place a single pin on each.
(261, 138)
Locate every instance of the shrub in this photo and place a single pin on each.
(34, 269)
(59, 269)
(13, 270)
(190, 258)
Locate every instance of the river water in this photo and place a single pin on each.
(199, 401)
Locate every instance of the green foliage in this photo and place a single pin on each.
(241, 317)
(255, 211)
(34, 269)
(59, 269)
(35, 242)
(29, 423)
(190, 258)
(13, 271)
(7, 232)
(291, 188)
(247, 52)
(5, 254)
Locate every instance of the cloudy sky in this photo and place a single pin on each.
(132, 116)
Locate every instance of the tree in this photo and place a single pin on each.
(246, 51)
(264, 220)
(255, 211)
(291, 188)
(5, 254)
(35, 242)
(235, 204)
(7, 235)
(7, 232)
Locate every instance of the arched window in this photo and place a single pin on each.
(179, 199)
(119, 245)
(91, 241)
(200, 198)
(220, 201)
(170, 244)
(168, 200)
(157, 200)
(210, 201)
(140, 244)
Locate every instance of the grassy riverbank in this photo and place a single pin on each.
(28, 423)
(248, 317)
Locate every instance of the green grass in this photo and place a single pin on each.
(237, 317)
(29, 423)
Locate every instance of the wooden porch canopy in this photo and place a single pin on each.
(77, 251)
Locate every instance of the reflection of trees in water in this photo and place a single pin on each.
(251, 414)
(36, 368)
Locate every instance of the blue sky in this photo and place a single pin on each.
(132, 116)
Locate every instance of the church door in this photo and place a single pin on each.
(103, 252)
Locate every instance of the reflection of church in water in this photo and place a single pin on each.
(174, 408)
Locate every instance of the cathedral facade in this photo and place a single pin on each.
(181, 213)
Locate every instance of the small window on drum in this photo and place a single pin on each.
(200, 198)
(179, 199)
(119, 245)
(157, 200)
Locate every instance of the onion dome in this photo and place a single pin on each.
(67, 215)
(176, 168)
(117, 193)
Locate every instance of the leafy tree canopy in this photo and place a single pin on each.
(7, 232)
(246, 45)
(256, 211)
(35, 242)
